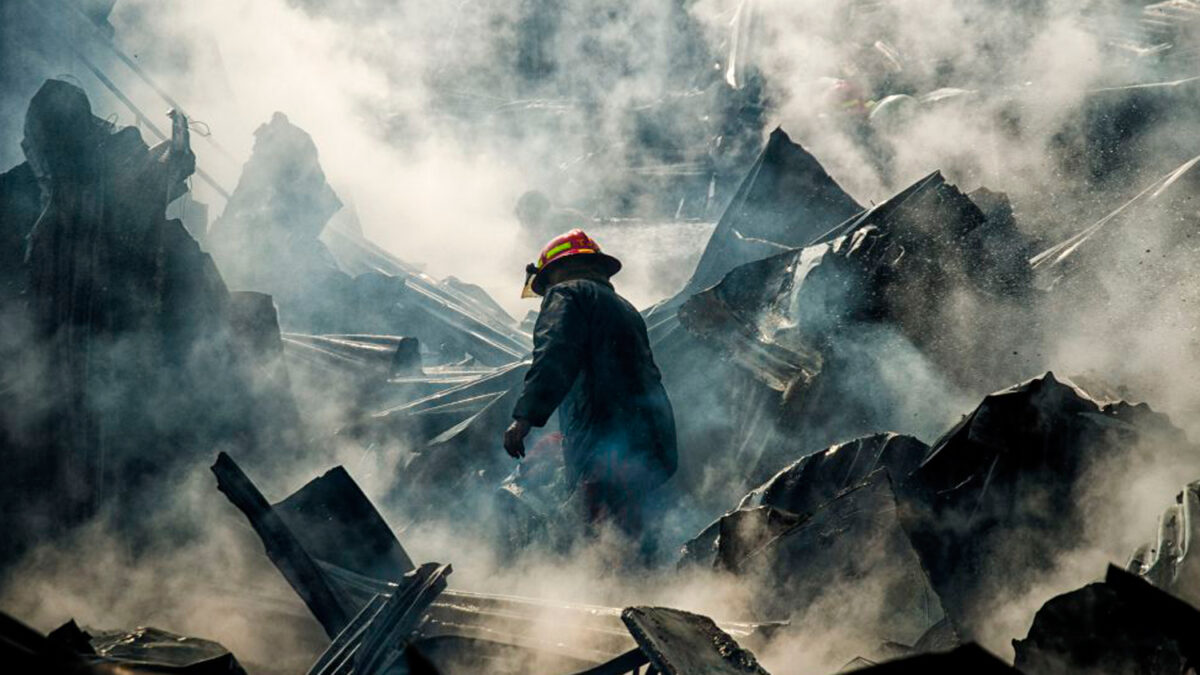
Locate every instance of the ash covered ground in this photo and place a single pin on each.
(919, 277)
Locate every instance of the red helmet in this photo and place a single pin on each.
(575, 242)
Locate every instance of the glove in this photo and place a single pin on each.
(514, 438)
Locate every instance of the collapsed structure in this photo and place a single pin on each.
(107, 307)
(812, 332)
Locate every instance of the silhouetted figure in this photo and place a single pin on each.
(592, 362)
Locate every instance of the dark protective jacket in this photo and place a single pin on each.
(591, 354)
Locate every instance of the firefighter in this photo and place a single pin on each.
(592, 362)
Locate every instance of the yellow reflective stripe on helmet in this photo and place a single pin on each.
(566, 245)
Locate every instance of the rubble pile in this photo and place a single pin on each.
(281, 204)
(934, 530)
(70, 649)
(120, 331)
(925, 278)
(371, 588)
(816, 360)
(280, 212)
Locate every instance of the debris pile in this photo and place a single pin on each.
(275, 237)
(815, 336)
(120, 332)
(816, 361)
(70, 649)
(335, 550)
(932, 529)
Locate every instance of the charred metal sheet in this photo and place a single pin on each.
(384, 639)
(514, 630)
(858, 539)
(812, 324)
(338, 658)
(1171, 563)
(470, 305)
(72, 651)
(1004, 250)
(1002, 488)
(25, 650)
(329, 523)
(1122, 625)
(456, 463)
(805, 485)
(358, 255)
(1015, 466)
(787, 199)
(282, 546)
(681, 643)
(587, 632)
(595, 633)
(447, 432)
(1173, 616)
(321, 514)
(327, 540)
(737, 315)
(374, 356)
(377, 639)
(811, 482)
(155, 650)
(567, 631)
(1096, 248)
(453, 400)
(720, 544)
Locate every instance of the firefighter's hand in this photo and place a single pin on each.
(514, 438)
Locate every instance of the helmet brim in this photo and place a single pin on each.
(537, 282)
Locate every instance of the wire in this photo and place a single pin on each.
(199, 128)
(104, 39)
(140, 117)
